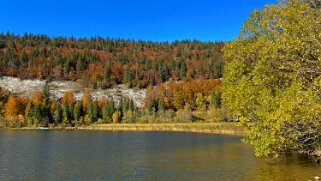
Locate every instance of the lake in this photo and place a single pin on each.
(100, 155)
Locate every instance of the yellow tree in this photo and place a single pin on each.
(12, 108)
(272, 79)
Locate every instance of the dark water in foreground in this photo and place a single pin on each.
(94, 155)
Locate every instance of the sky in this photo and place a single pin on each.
(155, 20)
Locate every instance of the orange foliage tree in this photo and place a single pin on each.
(86, 98)
(37, 98)
(68, 99)
(12, 107)
(175, 95)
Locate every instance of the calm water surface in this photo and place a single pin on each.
(95, 155)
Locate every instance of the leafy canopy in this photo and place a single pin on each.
(272, 81)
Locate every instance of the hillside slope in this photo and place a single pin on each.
(103, 62)
(25, 88)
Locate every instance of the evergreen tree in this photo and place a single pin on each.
(107, 72)
(96, 111)
(108, 110)
(105, 116)
(93, 109)
(128, 77)
(29, 113)
(78, 112)
(66, 68)
(79, 66)
(121, 107)
(23, 58)
(67, 115)
(37, 114)
(57, 116)
(182, 69)
(46, 93)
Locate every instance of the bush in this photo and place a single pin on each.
(184, 116)
(166, 116)
(115, 117)
(130, 117)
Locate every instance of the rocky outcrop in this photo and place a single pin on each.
(25, 88)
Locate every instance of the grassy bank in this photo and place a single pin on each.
(213, 128)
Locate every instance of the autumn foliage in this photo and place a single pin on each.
(176, 95)
(68, 99)
(103, 62)
(12, 107)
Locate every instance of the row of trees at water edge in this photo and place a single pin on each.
(196, 94)
(272, 79)
(103, 62)
(40, 110)
(172, 102)
(189, 101)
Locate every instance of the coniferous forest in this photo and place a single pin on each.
(102, 63)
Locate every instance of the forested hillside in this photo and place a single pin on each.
(101, 63)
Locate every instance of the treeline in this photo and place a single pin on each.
(185, 101)
(172, 102)
(40, 110)
(101, 63)
(196, 94)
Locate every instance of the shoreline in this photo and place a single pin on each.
(208, 128)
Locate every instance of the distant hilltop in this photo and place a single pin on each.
(103, 62)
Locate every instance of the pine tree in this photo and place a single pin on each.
(66, 117)
(78, 112)
(57, 116)
(128, 77)
(36, 114)
(132, 106)
(79, 66)
(29, 113)
(182, 69)
(95, 111)
(66, 69)
(108, 110)
(46, 93)
(107, 72)
(121, 107)
(90, 112)
(104, 113)
(23, 58)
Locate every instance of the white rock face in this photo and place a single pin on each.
(25, 88)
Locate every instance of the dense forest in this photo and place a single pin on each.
(172, 102)
(181, 77)
(101, 63)
(43, 111)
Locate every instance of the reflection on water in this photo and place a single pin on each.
(94, 155)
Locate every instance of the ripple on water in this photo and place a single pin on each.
(94, 155)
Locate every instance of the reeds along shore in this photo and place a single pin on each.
(211, 128)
